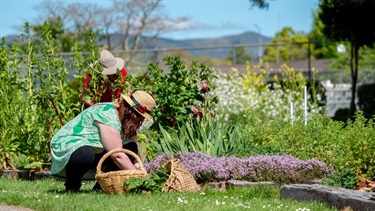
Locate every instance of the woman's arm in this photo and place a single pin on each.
(111, 140)
(133, 146)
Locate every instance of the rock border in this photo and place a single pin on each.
(339, 198)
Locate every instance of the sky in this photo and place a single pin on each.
(207, 18)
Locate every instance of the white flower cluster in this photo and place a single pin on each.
(236, 99)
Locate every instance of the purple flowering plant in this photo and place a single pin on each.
(276, 168)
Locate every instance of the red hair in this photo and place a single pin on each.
(130, 120)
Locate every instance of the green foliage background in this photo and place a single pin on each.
(37, 98)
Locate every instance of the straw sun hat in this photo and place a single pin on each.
(110, 63)
(142, 102)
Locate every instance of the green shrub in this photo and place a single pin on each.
(177, 90)
(358, 146)
(339, 145)
(345, 178)
(250, 149)
(36, 98)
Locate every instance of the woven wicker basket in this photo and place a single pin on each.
(113, 182)
(180, 179)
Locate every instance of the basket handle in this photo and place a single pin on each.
(126, 151)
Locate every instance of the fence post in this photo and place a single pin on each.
(309, 60)
(234, 55)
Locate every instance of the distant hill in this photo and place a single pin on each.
(10, 38)
(213, 47)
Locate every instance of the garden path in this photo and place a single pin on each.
(13, 208)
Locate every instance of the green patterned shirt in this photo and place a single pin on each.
(82, 131)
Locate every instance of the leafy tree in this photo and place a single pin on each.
(344, 21)
(286, 46)
(64, 40)
(367, 57)
(324, 48)
(241, 55)
(259, 3)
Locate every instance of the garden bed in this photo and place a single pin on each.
(25, 174)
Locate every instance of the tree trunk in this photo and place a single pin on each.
(354, 74)
(108, 39)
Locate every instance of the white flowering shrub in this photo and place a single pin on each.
(253, 96)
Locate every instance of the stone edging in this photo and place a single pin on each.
(336, 197)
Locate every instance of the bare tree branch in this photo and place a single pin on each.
(140, 22)
(130, 24)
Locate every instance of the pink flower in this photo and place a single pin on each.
(205, 87)
(197, 112)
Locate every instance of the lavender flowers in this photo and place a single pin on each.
(281, 169)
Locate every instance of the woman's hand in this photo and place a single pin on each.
(136, 165)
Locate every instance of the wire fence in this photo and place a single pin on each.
(224, 57)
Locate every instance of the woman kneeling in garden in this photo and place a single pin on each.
(78, 146)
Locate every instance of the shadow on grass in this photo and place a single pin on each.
(60, 191)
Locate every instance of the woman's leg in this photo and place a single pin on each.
(82, 160)
(108, 164)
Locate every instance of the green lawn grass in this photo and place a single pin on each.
(48, 194)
